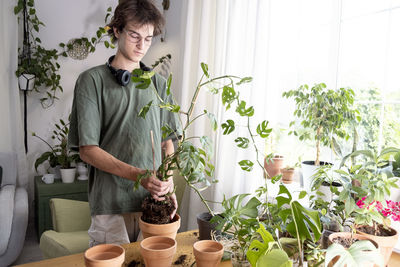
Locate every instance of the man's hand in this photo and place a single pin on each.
(156, 187)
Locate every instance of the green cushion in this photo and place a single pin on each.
(54, 244)
(70, 215)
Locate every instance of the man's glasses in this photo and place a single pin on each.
(134, 37)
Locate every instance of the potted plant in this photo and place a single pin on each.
(348, 249)
(288, 173)
(191, 161)
(267, 250)
(239, 221)
(59, 154)
(323, 113)
(372, 182)
(302, 224)
(34, 59)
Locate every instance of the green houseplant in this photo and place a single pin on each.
(240, 222)
(59, 154)
(42, 63)
(34, 59)
(323, 113)
(372, 180)
(192, 161)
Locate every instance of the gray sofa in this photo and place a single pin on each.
(13, 211)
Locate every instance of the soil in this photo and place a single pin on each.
(345, 242)
(380, 231)
(180, 260)
(157, 212)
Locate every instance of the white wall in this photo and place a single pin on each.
(75, 18)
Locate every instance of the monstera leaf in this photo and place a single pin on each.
(307, 220)
(357, 255)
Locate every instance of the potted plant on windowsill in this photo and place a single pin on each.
(323, 113)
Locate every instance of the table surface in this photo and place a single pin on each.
(185, 242)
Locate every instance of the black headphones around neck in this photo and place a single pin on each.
(123, 76)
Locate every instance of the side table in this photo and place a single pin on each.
(78, 190)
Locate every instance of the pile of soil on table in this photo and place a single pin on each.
(380, 231)
(157, 212)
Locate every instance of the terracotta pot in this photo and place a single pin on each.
(169, 229)
(347, 235)
(274, 166)
(208, 253)
(386, 243)
(105, 255)
(158, 251)
(287, 175)
(205, 227)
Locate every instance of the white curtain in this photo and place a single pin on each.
(282, 44)
(226, 36)
(11, 131)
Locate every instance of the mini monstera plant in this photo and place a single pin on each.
(192, 158)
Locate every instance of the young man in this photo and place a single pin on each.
(110, 135)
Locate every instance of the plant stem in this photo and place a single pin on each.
(46, 143)
(152, 150)
(201, 197)
(298, 238)
(318, 146)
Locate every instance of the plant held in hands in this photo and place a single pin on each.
(193, 154)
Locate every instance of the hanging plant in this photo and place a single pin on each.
(43, 63)
(88, 44)
(33, 58)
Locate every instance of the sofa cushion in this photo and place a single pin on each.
(54, 244)
(8, 161)
(7, 194)
(70, 215)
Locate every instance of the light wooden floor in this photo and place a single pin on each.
(30, 251)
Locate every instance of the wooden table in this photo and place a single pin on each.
(185, 242)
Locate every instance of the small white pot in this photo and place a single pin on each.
(68, 175)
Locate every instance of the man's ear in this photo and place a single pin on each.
(116, 32)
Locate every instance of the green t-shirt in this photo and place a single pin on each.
(105, 114)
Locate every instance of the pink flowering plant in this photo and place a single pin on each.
(371, 182)
(390, 209)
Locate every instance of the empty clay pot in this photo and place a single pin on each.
(169, 229)
(105, 255)
(158, 251)
(208, 253)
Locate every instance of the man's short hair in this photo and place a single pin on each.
(140, 12)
